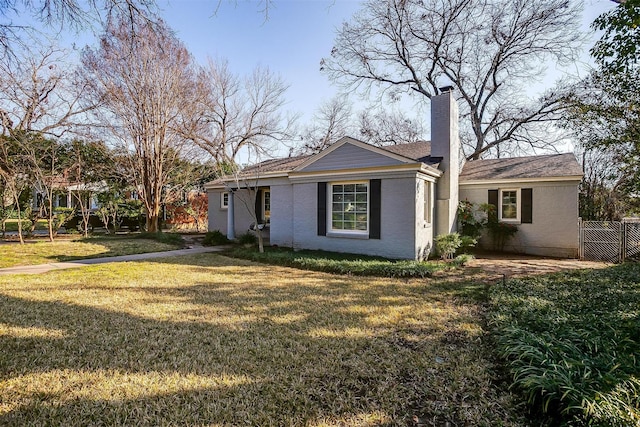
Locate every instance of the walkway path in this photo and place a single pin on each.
(43, 268)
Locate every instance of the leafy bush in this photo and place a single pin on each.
(247, 239)
(168, 238)
(466, 243)
(571, 343)
(471, 221)
(215, 237)
(357, 265)
(447, 244)
(462, 260)
(500, 232)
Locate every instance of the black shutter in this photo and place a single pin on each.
(526, 213)
(493, 198)
(374, 208)
(322, 209)
(258, 206)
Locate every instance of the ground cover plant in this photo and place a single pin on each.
(572, 343)
(339, 263)
(42, 252)
(212, 340)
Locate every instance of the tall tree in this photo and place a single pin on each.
(238, 113)
(73, 14)
(331, 121)
(604, 109)
(490, 51)
(145, 80)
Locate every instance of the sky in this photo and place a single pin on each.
(291, 41)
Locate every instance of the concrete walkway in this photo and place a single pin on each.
(43, 268)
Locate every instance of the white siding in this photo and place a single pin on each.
(397, 232)
(554, 230)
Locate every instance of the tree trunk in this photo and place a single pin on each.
(51, 217)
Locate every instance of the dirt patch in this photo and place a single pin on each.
(525, 265)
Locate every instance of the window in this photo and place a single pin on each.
(350, 207)
(427, 202)
(266, 204)
(224, 200)
(509, 209)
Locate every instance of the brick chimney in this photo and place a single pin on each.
(445, 143)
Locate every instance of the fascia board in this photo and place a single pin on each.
(370, 171)
(572, 178)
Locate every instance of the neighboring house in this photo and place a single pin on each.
(393, 201)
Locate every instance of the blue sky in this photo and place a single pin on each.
(297, 35)
(291, 42)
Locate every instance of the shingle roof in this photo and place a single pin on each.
(419, 151)
(286, 164)
(553, 165)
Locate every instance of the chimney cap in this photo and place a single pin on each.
(444, 89)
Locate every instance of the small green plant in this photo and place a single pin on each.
(215, 237)
(247, 239)
(462, 260)
(447, 244)
(60, 217)
(500, 232)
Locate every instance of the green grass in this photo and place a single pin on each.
(339, 263)
(572, 343)
(212, 340)
(42, 252)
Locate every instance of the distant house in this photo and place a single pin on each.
(393, 201)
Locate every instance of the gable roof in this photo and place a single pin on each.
(532, 167)
(410, 153)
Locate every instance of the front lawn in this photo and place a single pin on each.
(211, 340)
(43, 251)
(572, 344)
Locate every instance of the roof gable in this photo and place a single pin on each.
(532, 167)
(349, 153)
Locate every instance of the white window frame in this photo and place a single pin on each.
(426, 201)
(336, 231)
(265, 218)
(224, 205)
(518, 205)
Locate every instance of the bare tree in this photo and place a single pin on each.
(144, 79)
(490, 51)
(38, 93)
(39, 100)
(12, 173)
(331, 121)
(238, 113)
(380, 127)
(60, 14)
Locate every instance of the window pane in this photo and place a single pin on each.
(509, 205)
(349, 207)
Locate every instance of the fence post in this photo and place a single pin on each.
(623, 240)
